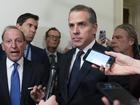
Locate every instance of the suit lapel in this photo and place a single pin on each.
(4, 81)
(32, 54)
(67, 61)
(97, 47)
(82, 73)
(58, 56)
(27, 73)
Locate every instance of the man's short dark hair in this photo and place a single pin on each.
(52, 28)
(92, 14)
(22, 18)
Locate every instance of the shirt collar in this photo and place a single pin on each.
(49, 53)
(10, 62)
(27, 45)
(87, 47)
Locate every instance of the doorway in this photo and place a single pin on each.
(131, 14)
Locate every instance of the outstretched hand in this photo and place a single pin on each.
(106, 101)
(50, 101)
(37, 93)
(123, 64)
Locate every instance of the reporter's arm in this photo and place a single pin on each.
(137, 66)
(123, 65)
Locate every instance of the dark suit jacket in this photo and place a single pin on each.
(33, 74)
(129, 82)
(2, 53)
(56, 90)
(59, 55)
(85, 91)
(38, 55)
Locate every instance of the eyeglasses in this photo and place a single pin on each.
(53, 37)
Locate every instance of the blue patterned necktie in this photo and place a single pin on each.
(15, 86)
(74, 72)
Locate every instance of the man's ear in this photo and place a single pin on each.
(131, 41)
(95, 26)
(18, 26)
(2, 47)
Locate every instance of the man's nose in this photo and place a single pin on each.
(113, 42)
(76, 30)
(14, 44)
(33, 29)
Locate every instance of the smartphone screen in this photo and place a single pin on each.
(114, 91)
(98, 58)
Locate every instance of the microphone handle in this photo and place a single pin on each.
(51, 83)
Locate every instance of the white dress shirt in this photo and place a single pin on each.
(27, 52)
(49, 53)
(77, 50)
(10, 68)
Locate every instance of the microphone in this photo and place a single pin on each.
(51, 81)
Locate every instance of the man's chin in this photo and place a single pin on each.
(15, 58)
(29, 41)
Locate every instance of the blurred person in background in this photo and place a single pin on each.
(124, 40)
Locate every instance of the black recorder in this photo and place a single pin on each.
(114, 91)
(98, 58)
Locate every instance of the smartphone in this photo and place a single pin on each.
(102, 35)
(98, 58)
(114, 91)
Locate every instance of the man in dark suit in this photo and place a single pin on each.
(83, 91)
(28, 24)
(52, 40)
(27, 74)
(124, 40)
(77, 80)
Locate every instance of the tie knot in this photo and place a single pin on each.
(52, 58)
(15, 65)
(80, 53)
(28, 46)
(52, 55)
